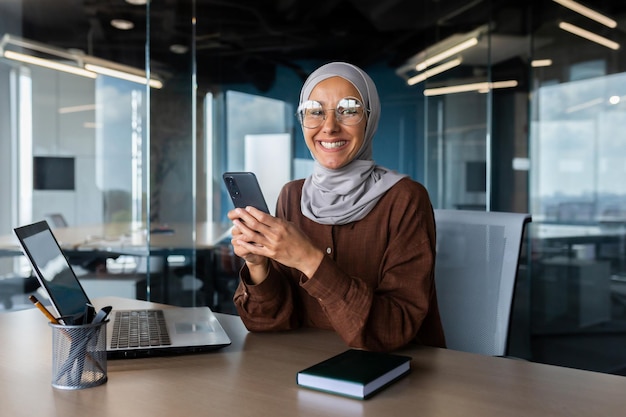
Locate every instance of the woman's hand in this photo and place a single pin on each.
(258, 236)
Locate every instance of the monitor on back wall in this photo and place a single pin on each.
(53, 173)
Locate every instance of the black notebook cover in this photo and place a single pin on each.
(355, 373)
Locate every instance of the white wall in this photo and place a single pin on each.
(6, 166)
(61, 128)
(269, 157)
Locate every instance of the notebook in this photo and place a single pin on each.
(181, 329)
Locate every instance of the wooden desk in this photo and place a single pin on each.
(256, 376)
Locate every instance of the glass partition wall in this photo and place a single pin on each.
(550, 143)
(108, 162)
(577, 189)
(474, 87)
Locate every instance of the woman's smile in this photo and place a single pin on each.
(333, 145)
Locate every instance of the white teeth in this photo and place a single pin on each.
(331, 145)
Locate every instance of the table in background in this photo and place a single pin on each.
(575, 271)
(132, 238)
(114, 239)
(256, 376)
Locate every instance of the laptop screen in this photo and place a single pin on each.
(53, 269)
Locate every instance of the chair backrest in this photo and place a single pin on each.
(476, 265)
(55, 220)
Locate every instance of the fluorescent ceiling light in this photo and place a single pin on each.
(41, 62)
(589, 35)
(465, 88)
(447, 53)
(434, 71)
(449, 48)
(77, 109)
(178, 49)
(540, 63)
(122, 24)
(123, 75)
(85, 65)
(587, 12)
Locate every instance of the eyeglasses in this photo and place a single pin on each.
(349, 112)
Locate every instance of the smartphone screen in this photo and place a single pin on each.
(244, 190)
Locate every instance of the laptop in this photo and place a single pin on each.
(179, 330)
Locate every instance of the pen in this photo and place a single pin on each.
(102, 314)
(89, 314)
(43, 309)
(67, 367)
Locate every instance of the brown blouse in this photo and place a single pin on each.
(375, 286)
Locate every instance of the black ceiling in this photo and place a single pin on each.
(245, 40)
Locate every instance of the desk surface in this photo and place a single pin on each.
(256, 376)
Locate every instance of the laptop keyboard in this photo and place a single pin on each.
(139, 328)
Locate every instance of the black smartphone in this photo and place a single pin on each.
(244, 190)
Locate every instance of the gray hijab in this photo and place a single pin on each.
(344, 195)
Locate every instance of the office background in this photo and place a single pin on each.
(546, 137)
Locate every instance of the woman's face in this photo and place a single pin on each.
(333, 144)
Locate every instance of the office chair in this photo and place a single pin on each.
(86, 260)
(55, 220)
(475, 270)
(15, 285)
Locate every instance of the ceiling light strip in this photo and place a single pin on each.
(82, 61)
(536, 63)
(434, 71)
(465, 88)
(447, 53)
(587, 12)
(28, 59)
(123, 75)
(589, 36)
(8, 39)
(77, 109)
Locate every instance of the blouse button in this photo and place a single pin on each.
(328, 250)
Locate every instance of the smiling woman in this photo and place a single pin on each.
(306, 266)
